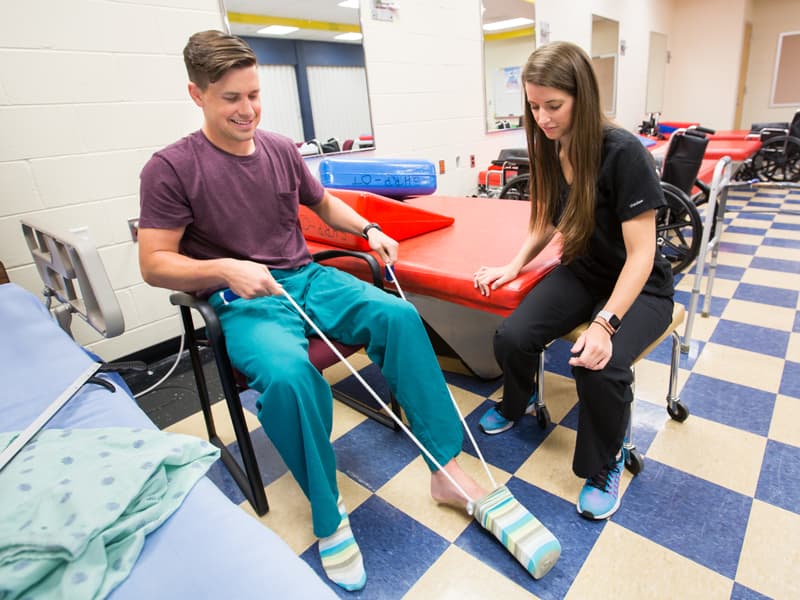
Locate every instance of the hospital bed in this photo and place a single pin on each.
(208, 547)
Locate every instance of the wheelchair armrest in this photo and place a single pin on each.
(372, 262)
(213, 328)
(703, 187)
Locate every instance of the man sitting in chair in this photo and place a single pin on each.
(219, 211)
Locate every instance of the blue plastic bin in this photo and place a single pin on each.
(392, 177)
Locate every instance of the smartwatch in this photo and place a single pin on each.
(610, 318)
(367, 227)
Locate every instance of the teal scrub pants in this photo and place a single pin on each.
(266, 340)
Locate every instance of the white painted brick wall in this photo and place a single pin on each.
(89, 89)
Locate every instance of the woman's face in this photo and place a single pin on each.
(552, 110)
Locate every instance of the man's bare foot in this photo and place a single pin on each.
(444, 492)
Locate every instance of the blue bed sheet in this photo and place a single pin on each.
(209, 547)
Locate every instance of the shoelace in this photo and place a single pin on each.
(605, 478)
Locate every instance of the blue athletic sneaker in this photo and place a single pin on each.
(599, 498)
(493, 422)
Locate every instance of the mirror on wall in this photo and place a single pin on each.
(509, 37)
(656, 72)
(605, 48)
(311, 64)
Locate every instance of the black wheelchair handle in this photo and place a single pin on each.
(700, 129)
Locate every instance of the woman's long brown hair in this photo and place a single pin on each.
(566, 67)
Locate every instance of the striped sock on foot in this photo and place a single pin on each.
(519, 531)
(341, 557)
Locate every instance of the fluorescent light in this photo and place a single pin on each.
(277, 30)
(507, 24)
(351, 36)
(349, 4)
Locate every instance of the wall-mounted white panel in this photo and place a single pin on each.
(280, 103)
(343, 113)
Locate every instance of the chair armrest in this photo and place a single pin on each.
(213, 328)
(372, 262)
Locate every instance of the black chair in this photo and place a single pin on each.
(249, 479)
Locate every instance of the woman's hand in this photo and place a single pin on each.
(487, 279)
(592, 350)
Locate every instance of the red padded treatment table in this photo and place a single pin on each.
(738, 150)
(435, 271)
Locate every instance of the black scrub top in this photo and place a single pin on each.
(627, 186)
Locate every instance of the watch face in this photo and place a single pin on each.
(610, 317)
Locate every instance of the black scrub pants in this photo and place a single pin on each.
(553, 308)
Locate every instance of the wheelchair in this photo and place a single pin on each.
(779, 157)
(678, 223)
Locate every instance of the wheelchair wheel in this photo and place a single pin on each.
(778, 160)
(516, 188)
(678, 228)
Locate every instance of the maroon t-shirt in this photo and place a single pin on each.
(232, 206)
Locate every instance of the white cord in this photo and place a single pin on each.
(395, 418)
(160, 381)
(394, 280)
(455, 405)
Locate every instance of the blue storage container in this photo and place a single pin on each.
(392, 177)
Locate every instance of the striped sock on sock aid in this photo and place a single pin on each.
(519, 531)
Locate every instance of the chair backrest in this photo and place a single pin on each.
(794, 127)
(684, 159)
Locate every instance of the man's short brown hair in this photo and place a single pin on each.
(210, 54)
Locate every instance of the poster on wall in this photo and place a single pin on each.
(507, 92)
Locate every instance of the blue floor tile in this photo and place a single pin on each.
(781, 243)
(397, 550)
(790, 381)
(718, 305)
(481, 387)
(745, 230)
(741, 592)
(779, 483)
(372, 453)
(355, 389)
(507, 450)
(787, 226)
(648, 420)
(776, 264)
(728, 403)
(744, 336)
(766, 295)
(693, 517)
(737, 248)
(556, 358)
(576, 535)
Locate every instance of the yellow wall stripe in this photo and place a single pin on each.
(507, 35)
(264, 20)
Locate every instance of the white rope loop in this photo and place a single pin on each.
(378, 399)
(455, 405)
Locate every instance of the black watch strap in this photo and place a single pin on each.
(367, 227)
